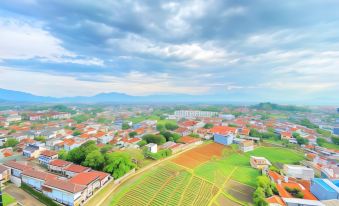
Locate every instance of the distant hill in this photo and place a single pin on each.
(271, 106)
(113, 97)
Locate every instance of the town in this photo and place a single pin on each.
(263, 154)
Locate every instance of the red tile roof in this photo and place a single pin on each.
(76, 168)
(86, 178)
(39, 174)
(275, 199)
(60, 163)
(188, 140)
(17, 165)
(65, 185)
(223, 130)
(48, 153)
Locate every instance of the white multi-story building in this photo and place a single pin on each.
(194, 113)
(299, 172)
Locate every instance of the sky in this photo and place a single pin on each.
(282, 51)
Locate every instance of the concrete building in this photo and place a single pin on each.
(153, 148)
(47, 156)
(259, 162)
(189, 114)
(298, 172)
(246, 145)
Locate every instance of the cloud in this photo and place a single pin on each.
(133, 83)
(21, 40)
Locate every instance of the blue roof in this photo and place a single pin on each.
(323, 184)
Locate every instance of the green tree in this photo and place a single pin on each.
(94, 160)
(40, 138)
(76, 133)
(62, 154)
(132, 134)
(208, 126)
(160, 127)
(125, 126)
(321, 141)
(106, 148)
(171, 126)
(152, 138)
(142, 143)
(118, 164)
(335, 140)
(11, 142)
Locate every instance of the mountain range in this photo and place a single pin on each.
(113, 97)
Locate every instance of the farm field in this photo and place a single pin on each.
(199, 155)
(196, 178)
(168, 185)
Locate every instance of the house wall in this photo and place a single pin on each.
(33, 182)
(225, 140)
(62, 196)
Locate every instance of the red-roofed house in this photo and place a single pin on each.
(286, 135)
(58, 165)
(46, 156)
(190, 140)
(36, 178)
(223, 130)
(73, 169)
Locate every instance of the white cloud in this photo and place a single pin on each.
(189, 54)
(133, 83)
(23, 40)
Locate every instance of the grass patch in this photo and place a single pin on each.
(7, 199)
(330, 146)
(282, 155)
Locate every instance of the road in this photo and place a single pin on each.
(21, 196)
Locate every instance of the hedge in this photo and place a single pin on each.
(38, 195)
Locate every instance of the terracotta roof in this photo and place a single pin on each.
(99, 134)
(48, 153)
(76, 168)
(3, 168)
(275, 176)
(181, 130)
(84, 178)
(247, 143)
(60, 163)
(223, 130)
(17, 165)
(65, 185)
(188, 139)
(39, 174)
(275, 199)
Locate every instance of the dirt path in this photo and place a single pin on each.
(21, 196)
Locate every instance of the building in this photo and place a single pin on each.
(325, 189)
(47, 156)
(187, 140)
(58, 166)
(330, 172)
(259, 162)
(223, 139)
(286, 135)
(64, 191)
(246, 145)
(336, 130)
(73, 169)
(153, 148)
(36, 179)
(298, 172)
(189, 114)
(32, 151)
(16, 170)
(5, 174)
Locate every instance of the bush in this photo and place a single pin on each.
(38, 195)
(159, 155)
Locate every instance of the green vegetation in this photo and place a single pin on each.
(208, 126)
(125, 126)
(271, 106)
(40, 138)
(11, 142)
(152, 138)
(7, 199)
(321, 141)
(295, 192)
(307, 123)
(335, 140)
(323, 132)
(118, 164)
(170, 136)
(63, 108)
(88, 154)
(159, 155)
(300, 139)
(132, 134)
(38, 195)
(265, 188)
(81, 118)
